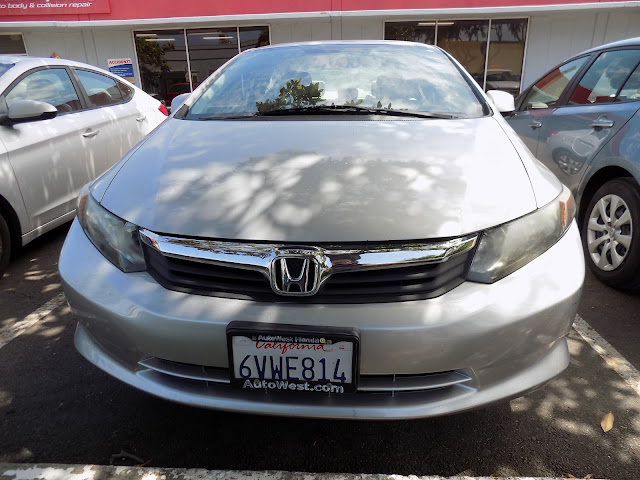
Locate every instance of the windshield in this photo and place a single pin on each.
(400, 76)
(4, 67)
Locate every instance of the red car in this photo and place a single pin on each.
(178, 89)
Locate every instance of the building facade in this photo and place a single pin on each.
(171, 47)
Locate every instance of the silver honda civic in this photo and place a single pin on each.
(331, 229)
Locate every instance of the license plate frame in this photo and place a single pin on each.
(330, 335)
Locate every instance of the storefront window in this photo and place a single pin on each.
(253, 37)
(506, 52)
(162, 58)
(422, 32)
(466, 41)
(209, 49)
(12, 44)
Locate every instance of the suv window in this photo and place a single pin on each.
(546, 92)
(51, 85)
(605, 77)
(631, 89)
(101, 90)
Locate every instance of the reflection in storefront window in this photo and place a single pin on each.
(506, 51)
(162, 59)
(466, 41)
(253, 37)
(422, 32)
(209, 49)
(162, 56)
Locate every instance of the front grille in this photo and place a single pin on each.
(387, 283)
(205, 278)
(167, 371)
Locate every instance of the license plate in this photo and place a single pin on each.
(321, 360)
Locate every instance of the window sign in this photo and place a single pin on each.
(123, 67)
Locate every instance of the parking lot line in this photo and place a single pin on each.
(93, 472)
(610, 355)
(20, 327)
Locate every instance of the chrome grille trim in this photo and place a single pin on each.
(367, 383)
(411, 383)
(185, 370)
(259, 257)
(349, 273)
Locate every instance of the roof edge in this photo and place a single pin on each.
(270, 17)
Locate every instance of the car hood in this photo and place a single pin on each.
(322, 181)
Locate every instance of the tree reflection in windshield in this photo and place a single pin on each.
(293, 95)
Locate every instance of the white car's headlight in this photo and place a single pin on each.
(114, 237)
(506, 248)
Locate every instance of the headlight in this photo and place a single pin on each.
(506, 248)
(114, 237)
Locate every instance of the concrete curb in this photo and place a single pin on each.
(13, 471)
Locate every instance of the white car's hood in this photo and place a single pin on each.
(322, 181)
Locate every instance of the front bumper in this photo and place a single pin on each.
(508, 337)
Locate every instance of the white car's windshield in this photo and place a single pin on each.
(4, 67)
(355, 78)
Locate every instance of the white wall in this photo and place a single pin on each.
(301, 30)
(554, 37)
(67, 43)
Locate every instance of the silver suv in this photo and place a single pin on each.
(581, 120)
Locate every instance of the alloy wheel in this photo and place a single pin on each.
(609, 232)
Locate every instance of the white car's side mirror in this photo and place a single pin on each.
(22, 111)
(503, 101)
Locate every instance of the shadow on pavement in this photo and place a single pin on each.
(32, 277)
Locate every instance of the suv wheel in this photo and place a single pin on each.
(610, 234)
(5, 245)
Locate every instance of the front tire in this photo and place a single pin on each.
(611, 234)
(5, 245)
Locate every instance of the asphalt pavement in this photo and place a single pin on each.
(57, 408)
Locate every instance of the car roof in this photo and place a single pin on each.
(629, 42)
(350, 42)
(30, 62)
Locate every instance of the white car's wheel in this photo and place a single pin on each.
(610, 232)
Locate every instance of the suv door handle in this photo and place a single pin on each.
(535, 124)
(90, 133)
(141, 119)
(602, 122)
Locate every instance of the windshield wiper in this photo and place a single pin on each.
(353, 109)
(224, 117)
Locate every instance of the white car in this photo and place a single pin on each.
(62, 123)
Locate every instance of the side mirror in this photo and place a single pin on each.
(22, 111)
(503, 101)
(177, 102)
